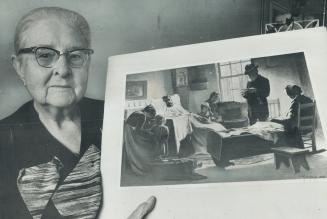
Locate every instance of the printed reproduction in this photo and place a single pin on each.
(242, 120)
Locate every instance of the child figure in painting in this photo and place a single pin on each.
(205, 116)
(161, 135)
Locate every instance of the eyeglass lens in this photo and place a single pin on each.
(48, 57)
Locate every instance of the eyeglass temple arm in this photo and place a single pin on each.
(26, 50)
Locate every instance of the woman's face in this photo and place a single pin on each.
(169, 102)
(59, 86)
(204, 110)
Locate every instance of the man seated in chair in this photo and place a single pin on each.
(291, 122)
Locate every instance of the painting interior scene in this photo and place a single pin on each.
(245, 120)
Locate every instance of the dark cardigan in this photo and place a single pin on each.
(25, 142)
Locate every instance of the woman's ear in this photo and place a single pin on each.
(16, 63)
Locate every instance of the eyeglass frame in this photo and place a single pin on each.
(35, 48)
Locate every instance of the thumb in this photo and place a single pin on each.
(143, 209)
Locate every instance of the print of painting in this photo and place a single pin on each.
(232, 131)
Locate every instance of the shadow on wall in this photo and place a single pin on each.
(285, 70)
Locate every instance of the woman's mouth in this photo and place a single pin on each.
(61, 88)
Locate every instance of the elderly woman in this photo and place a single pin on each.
(50, 147)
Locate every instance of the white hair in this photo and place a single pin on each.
(70, 17)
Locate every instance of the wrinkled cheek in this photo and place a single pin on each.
(36, 80)
(79, 92)
(82, 86)
(37, 93)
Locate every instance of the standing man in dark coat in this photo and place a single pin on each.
(258, 89)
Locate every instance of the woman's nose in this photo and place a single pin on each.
(62, 67)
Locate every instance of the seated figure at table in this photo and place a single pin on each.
(205, 115)
(200, 132)
(213, 101)
(291, 120)
(161, 135)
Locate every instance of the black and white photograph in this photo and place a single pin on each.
(235, 121)
(147, 109)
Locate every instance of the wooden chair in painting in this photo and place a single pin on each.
(306, 125)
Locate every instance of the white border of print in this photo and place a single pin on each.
(259, 199)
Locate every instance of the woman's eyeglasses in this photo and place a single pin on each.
(48, 57)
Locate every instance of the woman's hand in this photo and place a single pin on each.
(143, 209)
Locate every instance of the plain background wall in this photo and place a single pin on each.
(125, 26)
(196, 97)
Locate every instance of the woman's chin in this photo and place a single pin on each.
(61, 102)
